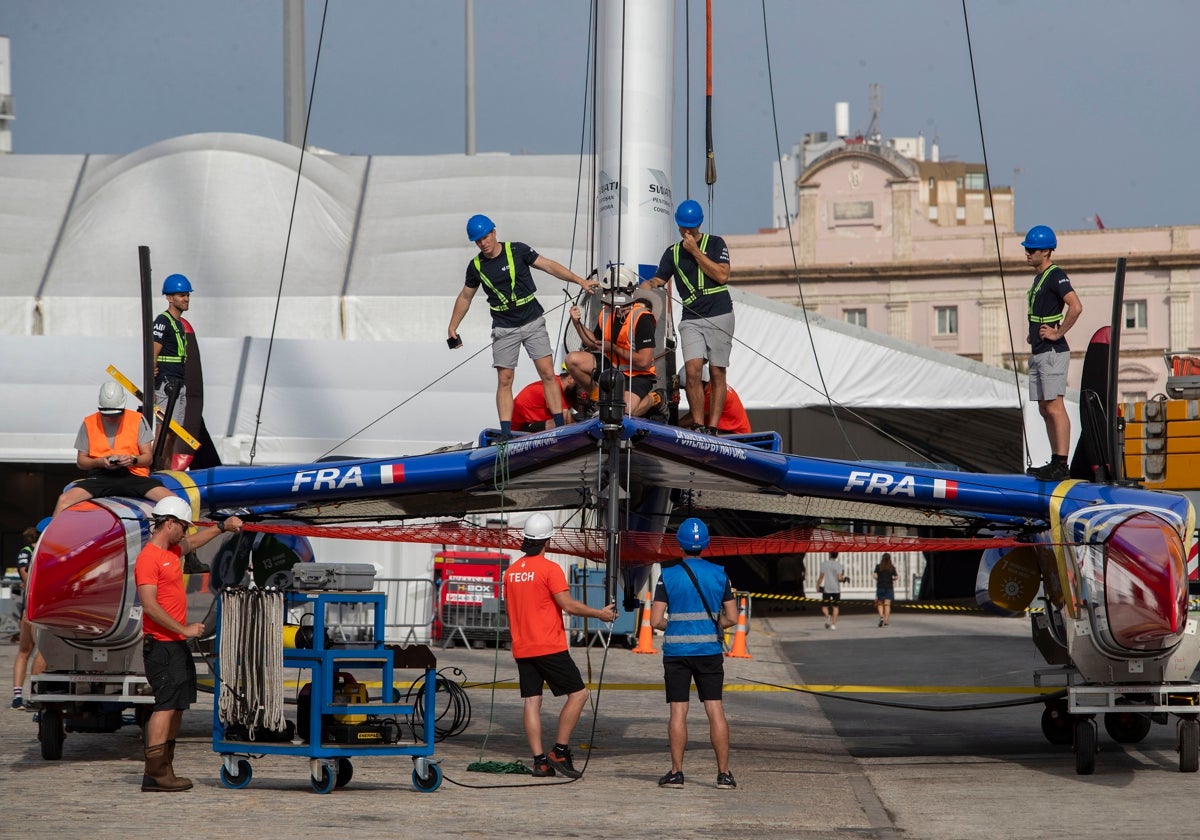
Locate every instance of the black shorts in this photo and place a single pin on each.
(707, 671)
(641, 385)
(117, 483)
(170, 672)
(831, 596)
(557, 670)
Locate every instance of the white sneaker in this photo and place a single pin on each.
(832, 626)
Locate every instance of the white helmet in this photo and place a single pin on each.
(112, 398)
(173, 506)
(538, 527)
(623, 279)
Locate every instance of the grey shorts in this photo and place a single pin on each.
(1048, 375)
(707, 338)
(160, 402)
(507, 342)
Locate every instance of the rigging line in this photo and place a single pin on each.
(987, 176)
(791, 241)
(587, 78)
(687, 99)
(962, 707)
(262, 394)
(418, 393)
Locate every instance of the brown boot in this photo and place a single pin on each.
(158, 775)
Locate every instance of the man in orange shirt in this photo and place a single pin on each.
(530, 412)
(170, 670)
(733, 420)
(535, 592)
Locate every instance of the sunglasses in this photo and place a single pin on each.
(1031, 251)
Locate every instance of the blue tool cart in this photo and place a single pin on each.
(587, 585)
(341, 723)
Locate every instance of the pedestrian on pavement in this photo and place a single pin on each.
(885, 583)
(829, 582)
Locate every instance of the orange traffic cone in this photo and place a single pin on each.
(645, 643)
(739, 638)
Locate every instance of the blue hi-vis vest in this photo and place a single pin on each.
(690, 631)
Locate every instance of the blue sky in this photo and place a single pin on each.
(1088, 106)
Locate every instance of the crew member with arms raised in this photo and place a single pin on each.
(170, 670)
(502, 268)
(700, 265)
(536, 596)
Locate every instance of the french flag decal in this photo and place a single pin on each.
(945, 489)
(391, 473)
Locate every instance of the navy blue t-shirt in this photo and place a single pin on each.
(704, 306)
(1049, 300)
(496, 270)
(165, 334)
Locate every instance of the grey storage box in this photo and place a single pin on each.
(334, 577)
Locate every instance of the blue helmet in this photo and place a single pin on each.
(479, 226)
(45, 523)
(692, 536)
(1040, 237)
(689, 214)
(176, 284)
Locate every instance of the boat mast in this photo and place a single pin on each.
(635, 91)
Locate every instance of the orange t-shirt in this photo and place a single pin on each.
(733, 416)
(534, 617)
(161, 568)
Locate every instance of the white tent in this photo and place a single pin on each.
(375, 255)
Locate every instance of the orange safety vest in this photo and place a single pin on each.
(125, 443)
(623, 339)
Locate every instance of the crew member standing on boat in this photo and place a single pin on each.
(502, 268)
(170, 358)
(1053, 309)
(700, 265)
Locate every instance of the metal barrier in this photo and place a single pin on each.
(472, 610)
(410, 609)
(860, 567)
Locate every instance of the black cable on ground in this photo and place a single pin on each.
(998, 704)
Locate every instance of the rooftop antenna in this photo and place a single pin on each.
(873, 135)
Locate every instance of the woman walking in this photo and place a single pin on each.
(885, 583)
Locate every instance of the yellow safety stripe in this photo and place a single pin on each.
(700, 288)
(1033, 293)
(512, 301)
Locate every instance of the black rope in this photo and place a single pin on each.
(288, 241)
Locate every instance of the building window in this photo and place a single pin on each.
(947, 320)
(975, 181)
(1135, 314)
(932, 185)
(958, 182)
(857, 317)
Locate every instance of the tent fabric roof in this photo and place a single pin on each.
(376, 254)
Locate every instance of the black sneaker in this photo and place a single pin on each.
(18, 703)
(725, 781)
(561, 762)
(542, 767)
(674, 779)
(1054, 471)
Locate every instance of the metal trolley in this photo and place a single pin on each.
(329, 761)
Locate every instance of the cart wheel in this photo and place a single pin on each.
(431, 782)
(345, 772)
(1056, 723)
(1085, 747)
(324, 781)
(241, 779)
(1126, 727)
(1189, 745)
(50, 732)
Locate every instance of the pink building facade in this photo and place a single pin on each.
(908, 249)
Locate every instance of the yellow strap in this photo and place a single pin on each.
(128, 385)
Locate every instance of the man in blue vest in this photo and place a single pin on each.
(502, 268)
(701, 605)
(1053, 308)
(700, 265)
